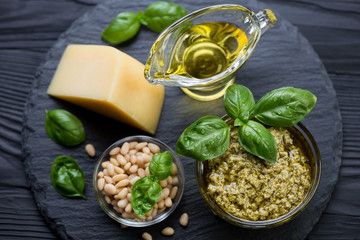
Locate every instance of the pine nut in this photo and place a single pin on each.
(165, 193)
(141, 172)
(108, 179)
(121, 159)
(125, 148)
(140, 161)
(184, 219)
(147, 171)
(114, 151)
(90, 150)
(131, 176)
(123, 193)
(119, 170)
(168, 202)
(104, 164)
(129, 196)
(132, 152)
(175, 180)
(133, 169)
(173, 192)
(127, 157)
(147, 158)
(146, 150)
(100, 174)
(114, 162)
(128, 208)
(107, 199)
(154, 148)
(123, 203)
(140, 146)
(168, 231)
(109, 188)
(123, 183)
(110, 169)
(132, 145)
(101, 183)
(133, 180)
(174, 170)
(119, 177)
(146, 236)
(163, 183)
(169, 180)
(127, 166)
(154, 212)
(161, 203)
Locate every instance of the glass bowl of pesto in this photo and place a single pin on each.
(118, 171)
(251, 193)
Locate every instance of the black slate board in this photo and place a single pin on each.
(283, 57)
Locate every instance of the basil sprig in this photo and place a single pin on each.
(156, 17)
(67, 177)
(64, 128)
(146, 191)
(281, 107)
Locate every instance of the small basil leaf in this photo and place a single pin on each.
(161, 165)
(207, 138)
(64, 128)
(160, 15)
(238, 122)
(124, 27)
(67, 177)
(284, 107)
(257, 140)
(239, 102)
(144, 195)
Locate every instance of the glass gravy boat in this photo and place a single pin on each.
(202, 51)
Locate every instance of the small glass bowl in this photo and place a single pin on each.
(108, 208)
(311, 149)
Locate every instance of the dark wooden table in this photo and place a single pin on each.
(28, 29)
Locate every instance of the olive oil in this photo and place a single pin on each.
(206, 49)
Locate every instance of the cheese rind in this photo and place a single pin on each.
(110, 82)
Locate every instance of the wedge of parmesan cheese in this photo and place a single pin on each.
(110, 82)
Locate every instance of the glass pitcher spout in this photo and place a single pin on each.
(267, 20)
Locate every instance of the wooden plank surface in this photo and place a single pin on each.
(28, 28)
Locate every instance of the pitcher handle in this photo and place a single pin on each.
(266, 19)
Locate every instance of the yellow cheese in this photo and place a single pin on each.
(109, 82)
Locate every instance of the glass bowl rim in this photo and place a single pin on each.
(283, 218)
(108, 209)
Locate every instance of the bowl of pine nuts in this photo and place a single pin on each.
(121, 165)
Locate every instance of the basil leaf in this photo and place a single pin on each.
(161, 165)
(64, 128)
(205, 139)
(124, 27)
(284, 107)
(160, 15)
(239, 102)
(144, 195)
(257, 140)
(67, 177)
